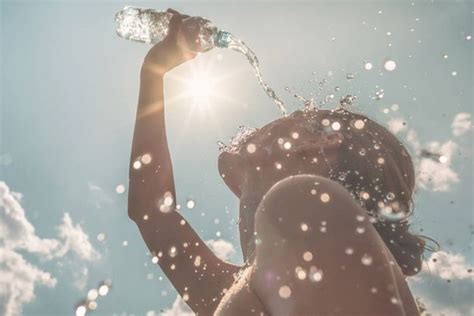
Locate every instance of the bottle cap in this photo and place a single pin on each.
(222, 39)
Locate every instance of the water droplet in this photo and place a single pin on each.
(325, 197)
(366, 260)
(154, 260)
(103, 290)
(120, 189)
(380, 161)
(368, 66)
(125, 243)
(350, 76)
(173, 266)
(278, 165)
(443, 159)
(101, 237)
(81, 310)
(390, 65)
(379, 94)
(315, 275)
(300, 273)
(251, 148)
(287, 145)
(364, 195)
(168, 199)
(349, 251)
(348, 100)
(92, 305)
(313, 191)
(359, 124)
(185, 297)
(336, 126)
(360, 230)
(304, 227)
(337, 88)
(92, 294)
(390, 196)
(197, 261)
(360, 218)
(468, 37)
(362, 152)
(325, 122)
(445, 56)
(393, 300)
(307, 256)
(173, 252)
(137, 165)
(146, 159)
(284, 291)
(295, 135)
(190, 204)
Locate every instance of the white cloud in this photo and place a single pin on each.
(179, 308)
(99, 196)
(80, 278)
(221, 248)
(433, 174)
(18, 277)
(461, 124)
(75, 240)
(445, 286)
(17, 231)
(396, 125)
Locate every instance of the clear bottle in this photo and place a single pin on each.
(151, 26)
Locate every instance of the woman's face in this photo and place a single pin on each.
(287, 146)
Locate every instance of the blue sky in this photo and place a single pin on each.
(69, 90)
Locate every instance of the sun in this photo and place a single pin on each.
(201, 88)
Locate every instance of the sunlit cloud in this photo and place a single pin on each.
(179, 308)
(223, 249)
(433, 160)
(445, 285)
(18, 277)
(461, 124)
(396, 125)
(75, 240)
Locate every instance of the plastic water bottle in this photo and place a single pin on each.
(151, 26)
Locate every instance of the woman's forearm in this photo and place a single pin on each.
(149, 180)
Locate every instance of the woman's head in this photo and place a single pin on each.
(346, 147)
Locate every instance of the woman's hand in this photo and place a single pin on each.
(172, 51)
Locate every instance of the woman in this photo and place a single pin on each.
(324, 197)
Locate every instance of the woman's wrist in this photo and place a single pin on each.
(152, 70)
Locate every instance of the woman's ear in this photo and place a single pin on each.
(231, 169)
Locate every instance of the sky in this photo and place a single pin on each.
(69, 88)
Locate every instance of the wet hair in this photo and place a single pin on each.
(375, 167)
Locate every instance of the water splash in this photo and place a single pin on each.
(309, 104)
(243, 133)
(241, 47)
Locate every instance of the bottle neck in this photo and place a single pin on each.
(222, 39)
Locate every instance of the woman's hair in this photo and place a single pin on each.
(378, 171)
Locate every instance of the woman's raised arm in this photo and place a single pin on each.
(196, 273)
